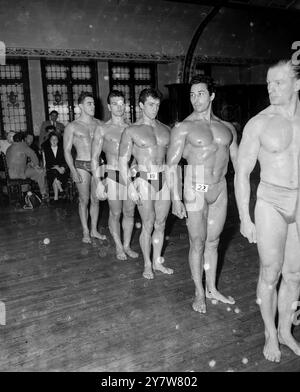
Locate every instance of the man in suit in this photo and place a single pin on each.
(58, 127)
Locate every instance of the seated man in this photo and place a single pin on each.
(17, 156)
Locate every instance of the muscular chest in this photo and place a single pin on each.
(151, 137)
(112, 140)
(209, 136)
(279, 135)
(85, 133)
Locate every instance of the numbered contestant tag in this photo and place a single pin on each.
(152, 176)
(201, 187)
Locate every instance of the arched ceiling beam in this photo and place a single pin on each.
(191, 50)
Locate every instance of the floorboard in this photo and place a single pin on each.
(74, 307)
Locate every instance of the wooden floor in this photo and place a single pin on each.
(75, 307)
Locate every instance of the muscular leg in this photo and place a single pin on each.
(161, 207)
(84, 196)
(115, 208)
(196, 223)
(289, 290)
(271, 232)
(147, 214)
(215, 223)
(94, 213)
(127, 225)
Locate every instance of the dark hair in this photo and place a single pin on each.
(294, 68)
(149, 92)
(115, 93)
(205, 79)
(18, 137)
(52, 134)
(53, 111)
(83, 95)
(49, 128)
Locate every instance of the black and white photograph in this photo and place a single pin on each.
(149, 189)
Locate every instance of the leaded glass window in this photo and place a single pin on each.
(131, 79)
(15, 109)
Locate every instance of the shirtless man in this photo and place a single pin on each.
(17, 157)
(79, 133)
(107, 139)
(206, 142)
(147, 140)
(273, 138)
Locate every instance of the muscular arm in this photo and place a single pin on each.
(125, 151)
(97, 145)
(247, 157)
(174, 154)
(68, 143)
(233, 149)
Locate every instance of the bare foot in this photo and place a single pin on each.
(86, 239)
(164, 270)
(148, 273)
(131, 253)
(216, 295)
(121, 254)
(271, 349)
(96, 234)
(288, 340)
(158, 266)
(199, 304)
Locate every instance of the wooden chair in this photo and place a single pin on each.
(12, 187)
(70, 191)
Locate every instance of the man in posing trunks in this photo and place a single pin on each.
(79, 133)
(273, 138)
(147, 140)
(206, 143)
(107, 139)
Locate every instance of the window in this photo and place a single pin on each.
(131, 79)
(63, 82)
(15, 108)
